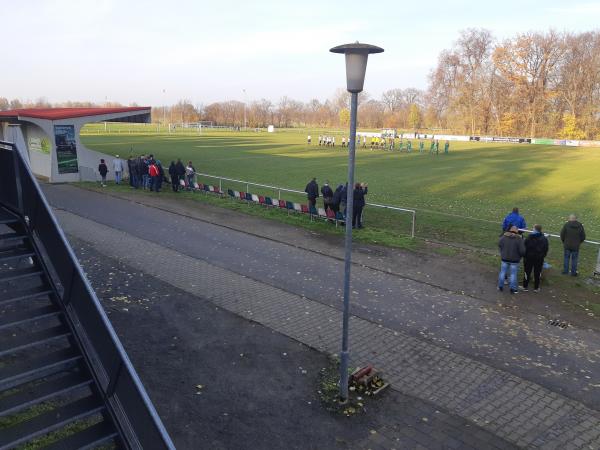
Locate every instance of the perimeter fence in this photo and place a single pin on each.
(436, 226)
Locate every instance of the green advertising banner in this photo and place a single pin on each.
(66, 148)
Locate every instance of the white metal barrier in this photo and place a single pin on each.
(281, 189)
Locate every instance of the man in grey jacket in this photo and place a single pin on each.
(512, 249)
(572, 235)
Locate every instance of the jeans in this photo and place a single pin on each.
(572, 255)
(118, 177)
(512, 269)
(145, 181)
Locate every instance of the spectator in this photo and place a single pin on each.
(143, 171)
(308, 139)
(327, 193)
(161, 176)
(512, 249)
(103, 169)
(536, 249)
(572, 235)
(154, 174)
(312, 192)
(130, 169)
(514, 218)
(174, 176)
(360, 190)
(118, 169)
(180, 170)
(190, 173)
(337, 199)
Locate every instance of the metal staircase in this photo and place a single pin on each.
(65, 380)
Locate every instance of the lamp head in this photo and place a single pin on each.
(356, 63)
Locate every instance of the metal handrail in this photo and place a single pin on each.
(116, 379)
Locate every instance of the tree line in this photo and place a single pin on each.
(536, 84)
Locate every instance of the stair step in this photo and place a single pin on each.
(13, 254)
(26, 340)
(89, 438)
(30, 396)
(20, 317)
(12, 237)
(31, 369)
(49, 421)
(6, 217)
(15, 296)
(11, 275)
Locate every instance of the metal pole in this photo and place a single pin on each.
(345, 354)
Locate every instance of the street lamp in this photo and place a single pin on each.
(356, 67)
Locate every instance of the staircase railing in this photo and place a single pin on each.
(126, 399)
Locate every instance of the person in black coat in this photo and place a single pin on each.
(312, 192)
(103, 169)
(536, 249)
(327, 193)
(337, 199)
(360, 190)
(130, 165)
(174, 177)
(180, 171)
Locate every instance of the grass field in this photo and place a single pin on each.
(459, 198)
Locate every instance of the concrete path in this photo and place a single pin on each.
(529, 383)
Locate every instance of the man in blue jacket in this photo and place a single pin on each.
(514, 218)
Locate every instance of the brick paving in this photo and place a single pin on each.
(518, 411)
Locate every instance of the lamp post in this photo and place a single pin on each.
(356, 67)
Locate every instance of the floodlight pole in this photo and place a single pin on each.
(345, 354)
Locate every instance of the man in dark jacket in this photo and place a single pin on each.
(312, 192)
(536, 249)
(174, 177)
(327, 193)
(337, 199)
(358, 203)
(512, 249)
(130, 169)
(180, 170)
(572, 235)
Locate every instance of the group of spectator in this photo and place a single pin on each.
(147, 173)
(336, 200)
(533, 249)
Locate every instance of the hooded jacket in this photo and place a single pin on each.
(572, 235)
(536, 246)
(512, 247)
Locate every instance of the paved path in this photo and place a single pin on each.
(432, 343)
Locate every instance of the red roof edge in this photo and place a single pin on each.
(69, 113)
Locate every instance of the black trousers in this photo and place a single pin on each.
(356, 216)
(534, 264)
(175, 183)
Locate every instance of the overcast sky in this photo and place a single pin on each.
(157, 52)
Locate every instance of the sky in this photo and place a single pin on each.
(158, 52)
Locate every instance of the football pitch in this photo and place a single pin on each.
(460, 197)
